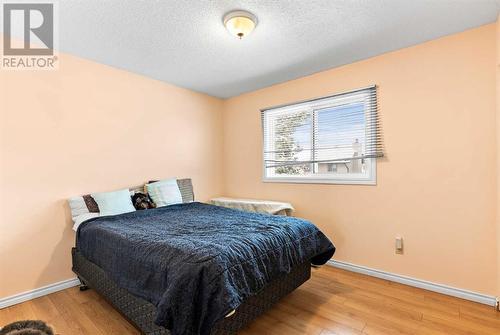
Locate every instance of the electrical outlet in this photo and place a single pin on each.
(399, 245)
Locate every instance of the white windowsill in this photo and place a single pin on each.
(369, 179)
(311, 180)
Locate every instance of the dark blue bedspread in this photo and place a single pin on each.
(197, 262)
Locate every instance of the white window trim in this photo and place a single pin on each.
(369, 179)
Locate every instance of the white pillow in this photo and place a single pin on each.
(165, 192)
(79, 211)
(113, 203)
(77, 206)
(78, 220)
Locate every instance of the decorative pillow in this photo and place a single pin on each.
(113, 203)
(164, 192)
(80, 211)
(142, 201)
(91, 204)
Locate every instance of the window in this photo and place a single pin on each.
(334, 139)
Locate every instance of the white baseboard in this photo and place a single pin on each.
(38, 292)
(423, 284)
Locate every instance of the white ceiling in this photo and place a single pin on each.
(184, 42)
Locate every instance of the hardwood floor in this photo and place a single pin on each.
(332, 302)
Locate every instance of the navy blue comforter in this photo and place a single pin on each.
(197, 262)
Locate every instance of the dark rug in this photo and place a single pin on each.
(27, 327)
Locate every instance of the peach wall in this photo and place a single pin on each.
(437, 185)
(88, 127)
(498, 149)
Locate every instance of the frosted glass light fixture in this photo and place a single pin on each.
(240, 23)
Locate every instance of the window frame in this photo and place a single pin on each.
(369, 178)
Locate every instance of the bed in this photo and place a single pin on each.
(196, 268)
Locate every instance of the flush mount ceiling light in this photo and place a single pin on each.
(240, 23)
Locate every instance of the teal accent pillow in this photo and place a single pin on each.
(113, 203)
(164, 192)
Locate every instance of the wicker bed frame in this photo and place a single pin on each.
(141, 313)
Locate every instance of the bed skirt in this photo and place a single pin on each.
(141, 313)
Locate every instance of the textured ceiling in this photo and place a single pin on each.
(184, 42)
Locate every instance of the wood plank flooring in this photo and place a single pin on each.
(332, 302)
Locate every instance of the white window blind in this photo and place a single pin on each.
(331, 139)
